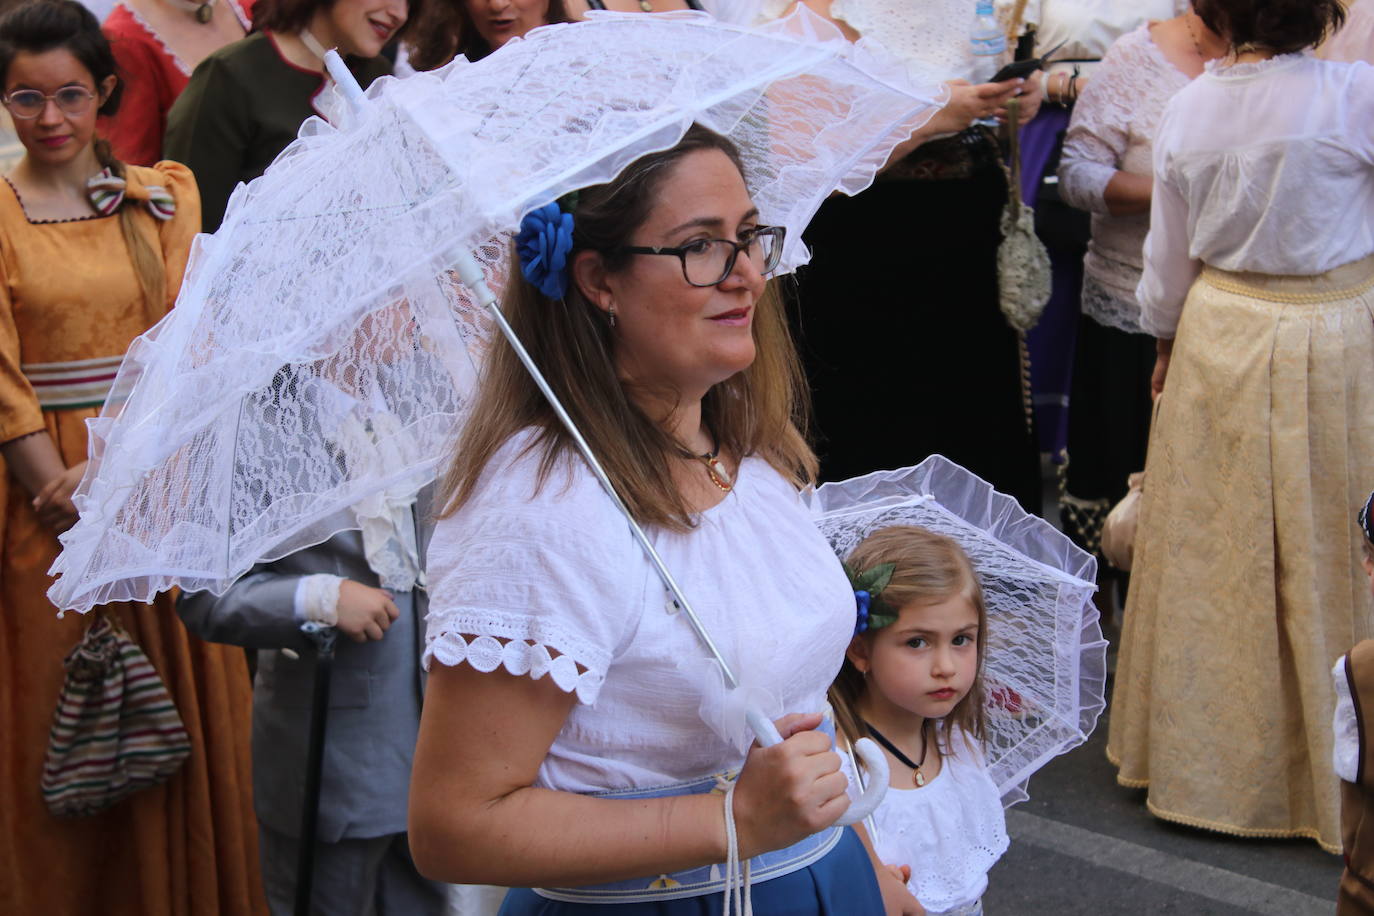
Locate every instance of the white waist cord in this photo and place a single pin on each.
(737, 884)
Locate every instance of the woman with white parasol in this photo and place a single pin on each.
(421, 172)
(644, 302)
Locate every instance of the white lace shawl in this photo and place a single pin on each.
(1113, 130)
(553, 584)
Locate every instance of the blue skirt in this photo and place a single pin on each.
(840, 884)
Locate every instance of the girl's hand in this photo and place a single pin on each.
(897, 900)
(791, 790)
(54, 502)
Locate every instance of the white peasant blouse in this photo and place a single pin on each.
(551, 583)
(951, 831)
(1264, 167)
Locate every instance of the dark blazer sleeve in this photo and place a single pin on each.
(257, 611)
(210, 130)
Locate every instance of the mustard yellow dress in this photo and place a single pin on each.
(70, 304)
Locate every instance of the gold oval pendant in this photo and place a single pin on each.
(920, 779)
(204, 12)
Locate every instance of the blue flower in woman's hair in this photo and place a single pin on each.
(543, 244)
(863, 599)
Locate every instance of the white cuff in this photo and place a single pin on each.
(317, 599)
(1345, 748)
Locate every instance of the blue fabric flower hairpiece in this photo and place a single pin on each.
(871, 611)
(543, 244)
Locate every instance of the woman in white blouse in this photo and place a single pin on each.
(1105, 169)
(562, 745)
(1259, 285)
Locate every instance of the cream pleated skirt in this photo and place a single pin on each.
(1246, 584)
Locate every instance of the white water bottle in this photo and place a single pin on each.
(987, 42)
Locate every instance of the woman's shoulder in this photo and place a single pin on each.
(174, 178)
(1136, 54)
(518, 480)
(252, 55)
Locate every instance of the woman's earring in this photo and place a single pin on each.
(610, 313)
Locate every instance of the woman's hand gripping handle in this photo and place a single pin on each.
(873, 758)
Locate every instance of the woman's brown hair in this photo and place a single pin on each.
(927, 567)
(759, 411)
(46, 25)
(446, 30)
(1281, 26)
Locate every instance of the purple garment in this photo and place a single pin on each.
(1051, 341)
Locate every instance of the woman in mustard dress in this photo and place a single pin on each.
(85, 267)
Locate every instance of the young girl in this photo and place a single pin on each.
(912, 680)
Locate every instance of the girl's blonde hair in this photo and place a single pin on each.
(927, 567)
(759, 411)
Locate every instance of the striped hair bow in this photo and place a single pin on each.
(107, 192)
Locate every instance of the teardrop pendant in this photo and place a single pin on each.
(646, 6)
(204, 12)
(716, 471)
(920, 778)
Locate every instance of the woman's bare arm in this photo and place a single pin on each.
(475, 817)
(1128, 193)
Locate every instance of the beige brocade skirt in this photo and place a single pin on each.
(1246, 586)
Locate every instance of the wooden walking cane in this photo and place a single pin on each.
(323, 637)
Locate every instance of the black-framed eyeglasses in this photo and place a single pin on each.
(707, 262)
(29, 103)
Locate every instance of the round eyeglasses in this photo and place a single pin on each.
(707, 262)
(29, 103)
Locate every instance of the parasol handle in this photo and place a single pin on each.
(344, 79)
(875, 761)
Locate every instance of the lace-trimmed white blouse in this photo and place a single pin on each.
(951, 831)
(1113, 129)
(550, 584)
(1265, 167)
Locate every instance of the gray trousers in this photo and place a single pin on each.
(371, 877)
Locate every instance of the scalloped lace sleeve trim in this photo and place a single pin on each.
(572, 673)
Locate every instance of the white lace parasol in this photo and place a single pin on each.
(321, 350)
(1045, 658)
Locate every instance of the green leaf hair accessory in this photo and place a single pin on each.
(872, 612)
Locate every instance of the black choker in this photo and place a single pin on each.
(715, 469)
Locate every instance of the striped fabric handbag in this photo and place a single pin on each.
(115, 730)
